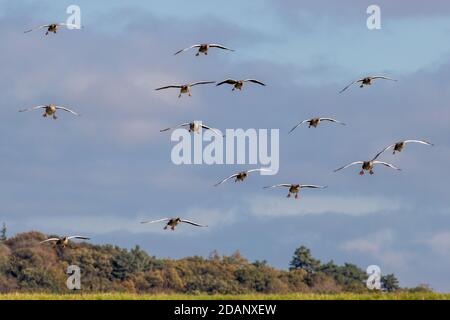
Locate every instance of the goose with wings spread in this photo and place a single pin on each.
(369, 165)
(64, 241)
(241, 176)
(295, 188)
(314, 122)
(203, 48)
(185, 88)
(50, 110)
(193, 127)
(399, 146)
(173, 222)
(366, 81)
(239, 84)
(54, 27)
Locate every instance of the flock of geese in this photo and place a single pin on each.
(293, 189)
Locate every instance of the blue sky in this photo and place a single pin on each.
(102, 173)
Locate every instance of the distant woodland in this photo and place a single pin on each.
(28, 266)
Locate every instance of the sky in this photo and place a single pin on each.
(102, 173)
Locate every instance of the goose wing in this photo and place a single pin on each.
(419, 141)
(258, 170)
(215, 45)
(34, 108)
(188, 48)
(67, 110)
(312, 186)
(193, 223)
(226, 179)
(383, 151)
(299, 124)
(386, 164)
(254, 81)
(227, 81)
(382, 77)
(156, 221)
(169, 87)
(349, 165)
(349, 85)
(180, 125)
(50, 239)
(288, 185)
(213, 130)
(200, 82)
(78, 237)
(332, 120)
(37, 28)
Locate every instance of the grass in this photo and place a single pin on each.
(298, 296)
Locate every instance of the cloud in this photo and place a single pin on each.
(440, 243)
(278, 206)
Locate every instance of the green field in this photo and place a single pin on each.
(300, 296)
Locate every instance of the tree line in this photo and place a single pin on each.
(27, 266)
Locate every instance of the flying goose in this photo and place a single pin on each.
(173, 222)
(314, 122)
(53, 27)
(367, 81)
(240, 176)
(50, 110)
(64, 241)
(185, 88)
(203, 48)
(399, 146)
(295, 188)
(369, 165)
(238, 84)
(193, 127)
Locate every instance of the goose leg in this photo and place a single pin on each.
(55, 117)
(289, 195)
(45, 115)
(361, 173)
(296, 196)
(371, 172)
(179, 96)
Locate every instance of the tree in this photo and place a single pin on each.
(389, 283)
(3, 232)
(303, 259)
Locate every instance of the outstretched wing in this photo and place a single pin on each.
(383, 151)
(37, 28)
(34, 108)
(299, 124)
(259, 170)
(180, 125)
(193, 223)
(387, 165)
(382, 77)
(419, 141)
(254, 81)
(226, 179)
(169, 87)
(78, 237)
(214, 45)
(156, 221)
(200, 82)
(349, 85)
(349, 165)
(312, 186)
(227, 81)
(188, 48)
(50, 239)
(332, 120)
(288, 185)
(213, 130)
(68, 110)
